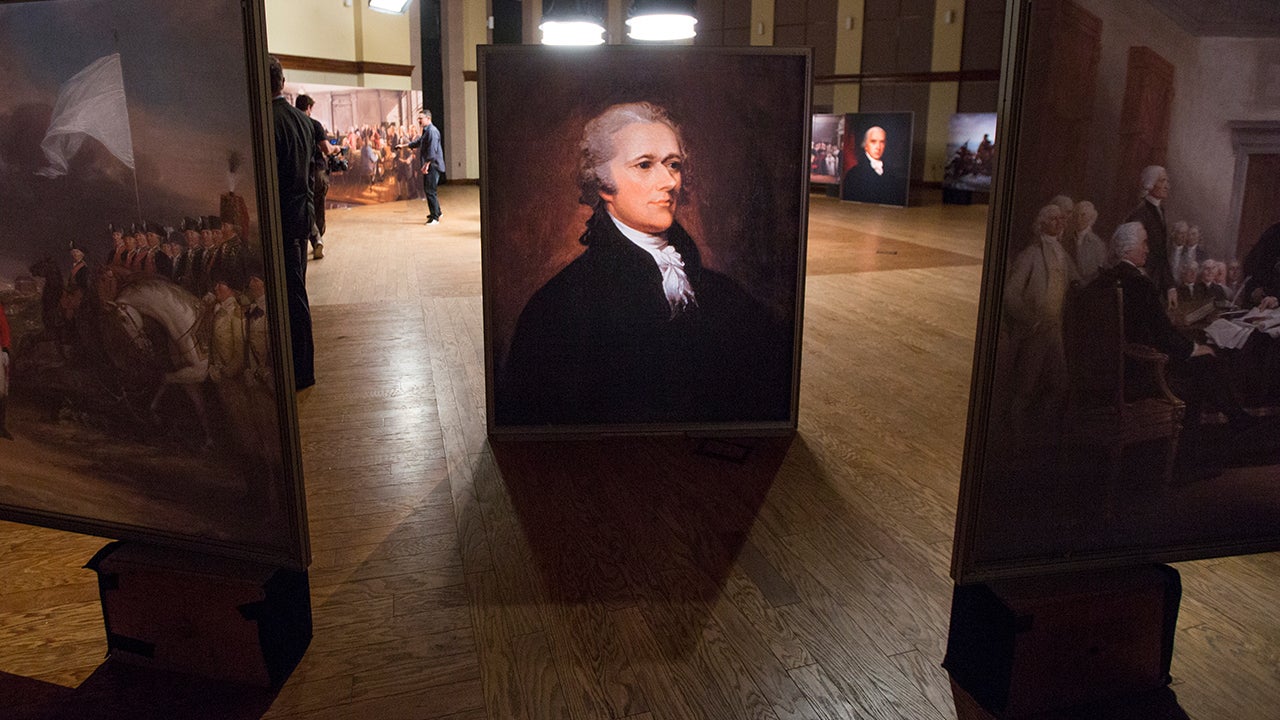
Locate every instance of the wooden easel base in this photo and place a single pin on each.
(1032, 647)
(208, 616)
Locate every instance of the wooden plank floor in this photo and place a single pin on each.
(638, 578)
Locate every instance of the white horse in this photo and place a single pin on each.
(180, 314)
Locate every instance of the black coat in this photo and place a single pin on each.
(1145, 321)
(597, 345)
(1157, 266)
(294, 147)
(861, 183)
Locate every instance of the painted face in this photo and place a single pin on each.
(646, 172)
(1160, 190)
(257, 288)
(1083, 218)
(874, 144)
(1053, 224)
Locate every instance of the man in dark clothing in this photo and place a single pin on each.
(1196, 373)
(431, 154)
(294, 147)
(1262, 269)
(635, 329)
(319, 173)
(1150, 212)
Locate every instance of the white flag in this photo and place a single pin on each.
(91, 104)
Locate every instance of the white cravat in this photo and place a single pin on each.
(675, 283)
(877, 165)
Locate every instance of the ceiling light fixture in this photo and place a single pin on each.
(572, 22)
(662, 20)
(394, 7)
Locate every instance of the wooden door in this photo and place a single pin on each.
(1144, 124)
(1261, 207)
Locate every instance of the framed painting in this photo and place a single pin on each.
(971, 152)
(1125, 404)
(826, 143)
(643, 217)
(147, 393)
(877, 158)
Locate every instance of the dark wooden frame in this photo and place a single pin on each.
(639, 54)
(1004, 221)
(298, 554)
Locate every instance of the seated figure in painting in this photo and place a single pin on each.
(1196, 374)
(636, 329)
(1261, 270)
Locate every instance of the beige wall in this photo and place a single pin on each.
(329, 29)
(762, 13)
(849, 14)
(948, 39)
(313, 28)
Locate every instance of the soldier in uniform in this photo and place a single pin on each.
(79, 270)
(117, 243)
(230, 263)
(138, 253)
(156, 261)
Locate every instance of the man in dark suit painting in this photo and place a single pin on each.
(1151, 213)
(870, 180)
(1197, 376)
(635, 330)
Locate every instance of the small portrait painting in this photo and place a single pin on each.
(877, 158)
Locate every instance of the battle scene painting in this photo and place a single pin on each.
(1126, 397)
(971, 152)
(140, 349)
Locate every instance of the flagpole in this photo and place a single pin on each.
(137, 197)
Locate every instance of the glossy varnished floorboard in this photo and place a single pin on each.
(638, 578)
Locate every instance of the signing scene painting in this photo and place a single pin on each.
(1134, 401)
(366, 129)
(138, 373)
(643, 236)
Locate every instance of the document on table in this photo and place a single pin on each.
(1268, 321)
(1228, 334)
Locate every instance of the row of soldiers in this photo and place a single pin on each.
(197, 255)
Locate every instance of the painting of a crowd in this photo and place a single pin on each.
(1215, 323)
(138, 382)
(825, 140)
(378, 169)
(1132, 404)
(152, 331)
(366, 127)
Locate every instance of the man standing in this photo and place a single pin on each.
(1151, 213)
(294, 146)
(1034, 296)
(319, 173)
(870, 180)
(432, 156)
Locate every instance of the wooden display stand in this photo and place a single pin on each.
(215, 617)
(1043, 647)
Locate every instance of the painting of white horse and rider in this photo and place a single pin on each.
(142, 345)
